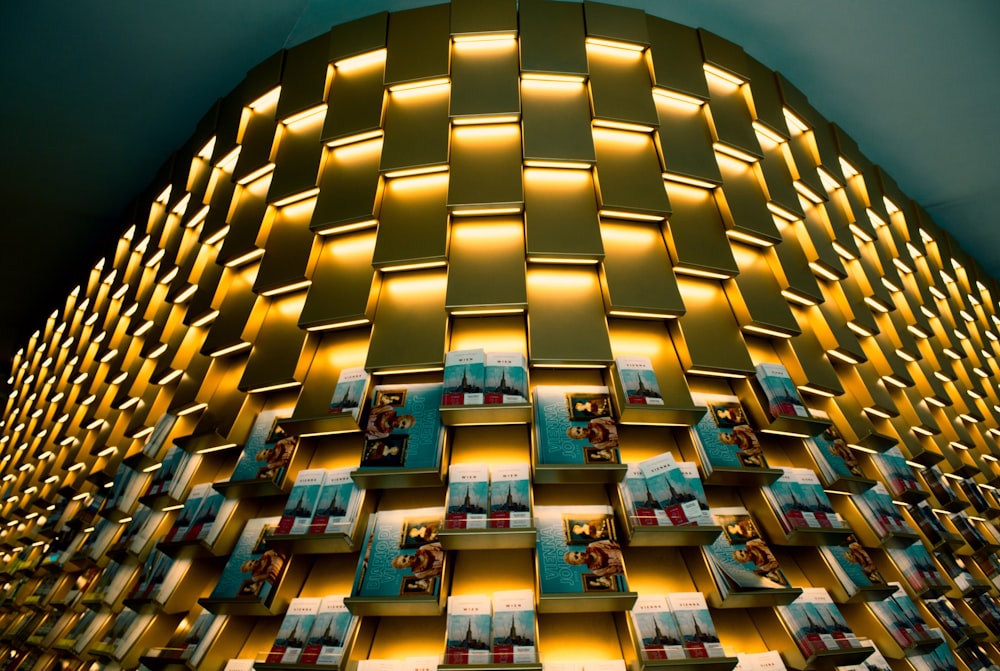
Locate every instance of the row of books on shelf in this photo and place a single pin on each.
(322, 501)
(476, 377)
(491, 629)
(899, 615)
(816, 624)
(314, 630)
(484, 496)
(661, 491)
(675, 626)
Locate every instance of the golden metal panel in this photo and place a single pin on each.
(483, 17)
(620, 87)
(686, 141)
(804, 158)
(290, 250)
(791, 267)
(565, 332)
(697, 235)
(485, 169)
(245, 222)
(552, 38)
(723, 54)
(755, 298)
(256, 139)
(359, 36)
(556, 122)
(560, 211)
(355, 101)
(410, 327)
(676, 57)
(413, 228)
(486, 265)
(303, 76)
(807, 364)
(350, 187)
(200, 305)
(345, 285)
(235, 308)
(778, 179)
(417, 44)
(297, 157)
(742, 203)
(416, 129)
(619, 24)
(334, 352)
(221, 191)
(281, 351)
(636, 274)
(707, 337)
(628, 175)
(862, 383)
(882, 356)
(484, 80)
(765, 98)
(731, 123)
(837, 212)
(827, 321)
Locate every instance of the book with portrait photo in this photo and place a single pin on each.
(574, 425)
(853, 565)
(330, 632)
(349, 394)
(577, 550)
(833, 456)
(268, 450)
(723, 437)
(506, 378)
(403, 428)
(740, 560)
(254, 570)
(402, 555)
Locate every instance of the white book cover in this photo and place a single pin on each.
(605, 665)
(187, 465)
(469, 629)
(164, 425)
(694, 621)
(638, 381)
(762, 661)
(656, 628)
(782, 395)
(301, 503)
(510, 496)
(202, 646)
(514, 627)
(331, 630)
(349, 394)
(239, 665)
(382, 665)
(464, 377)
(419, 664)
(506, 378)
(294, 630)
(338, 504)
(467, 505)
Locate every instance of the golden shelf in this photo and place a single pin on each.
(486, 415)
(488, 539)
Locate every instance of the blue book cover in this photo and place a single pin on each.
(852, 564)
(253, 570)
(897, 474)
(833, 455)
(577, 551)
(301, 502)
(574, 425)
(656, 628)
(506, 378)
(510, 496)
(267, 451)
(739, 558)
(403, 429)
(464, 377)
(337, 505)
(403, 556)
(514, 627)
(638, 380)
(329, 633)
(469, 630)
(349, 393)
(723, 437)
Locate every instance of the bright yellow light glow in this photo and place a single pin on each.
(763, 330)
(275, 387)
(639, 315)
(782, 212)
(622, 125)
(901, 266)
(252, 255)
(169, 277)
(630, 216)
(876, 304)
(843, 356)
(860, 233)
(410, 371)
(416, 172)
(485, 41)
(186, 294)
(344, 228)
(191, 409)
(562, 260)
(733, 152)
(830, 183)
(142, 433)
(306, 115)
(487, 311)
(181, 207)
(296, 197)
(914, 252)
(698, 272)
(228, 162)
(230, 350)
(723, 75)
(689, 181)
(803, 190)
(260, 172)
(848, 169)
(169, 377)
(714, 373)
(675, 96)
(860, 329)
(816, 390)
(367, 59)
(485, 120)
(876, 220)
(413, 266)
(550, 78)
(801, 299)
(952, 353)
(794, 122)
(878, 412)
(895, 381)
(599, 45)
(558, 165)
(480, 211)
(266, 100)
(823, 272)
(421, 87)
(287, 289)
(749, 238)
(207, 319)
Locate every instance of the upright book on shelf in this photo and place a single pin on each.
(467, 499)
(402, 556)
(403, 428)
(469, 629)
(897, 474)
(782, 396)
(294, 630)
(799, 501)
(656, 629)
(739, 559)
(723, 438)
(577, 551)
(574, 425)
(349, 394)
(301, 503)
(514, 627)
(338, 503)
(852, 565)
(510, 496)
(506, 378)
(680, 498)
(268, 450)
(694, 622)
(330, 632)
(638, 380)
(464, 377)
(834, 458)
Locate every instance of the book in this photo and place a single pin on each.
(955, 569)
(642, 507)
(677, 497)
(655, 628)
(514, 627)
(467, 499)
(349, 393)
(917, 566)
(403, 428)
(402, 555)
(330, 632)
(951, 621)
(798, 499)
(253, 570)
(638, 381)
(694, 623)
(464, 377)
(764, 661)
(338, 503)
(975, 495)
(879, 510)
(937, 486)
(831, 619)
(160, 480)
(211, 517)
(506, 375)
(914, 620)
(268, 450)
(510, 496)
(195, 635)
(574, 425)
(740, 560)
(723, 438)
(833, 456)
(294, 630)
(888, 613)
(577, 551)
(803, 620)
(783, 397)
(469, 626)
(852, 564)
(928, 523)
(161, 430)
(897, 474)
(300, 506)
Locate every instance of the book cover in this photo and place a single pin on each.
(301, 503)
(831, 619)
(782, 396)
(330, 632)
(694, 622)
(577, 550)
(506, 378)
(510, 496)
(896, 473)
(969, 533)
(253, 570)
(892, 618)
(294, 629)
(268, 450)
(948, 617)
(723, 437)
(196, 634)
(678, 505)
(403, 556)
(467, 499)
(803, 621)
(877, 507)
(739, 558)
(656, 628)
(913, 619)
(692, 479)
(403, 429)
(800, 502)
(852, 564)
(349, 393)
(954, 567)
(832, 454)
(469, 629)
(337, 504)
(464, 377)
(514, 627)
(160, 480)
(154, 443)
(184, 471)
(209, 512)
(643, 508)
(928, 523)
(637, 379)
(937, 486)
(574, 425)
(975, 495)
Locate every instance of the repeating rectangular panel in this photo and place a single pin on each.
(755, 298)
(290, 250)
(350, 188)
(413, 224)
(485, 169)
(410, 327)
(743, 204)
(560, 212)
(556, 118)
(235, 304)
(636, 274)
(685, 141)
(806, 361)
(697, 235)
(298, 156)
(677, 63)
(765, 100)
(334, 352)
(256, 138)
(481, 18)
(562, 331)
(620, 88)
(791, 267)
(416, 130)
(707, 338)
(782, 197)
(731, 126)
(486, 271)
(484, 81)
(629, 181)
(356, 100)
(344, 284)
(552, 39)
(245, 223)
(417, 44)
(281, 351)
(303, 76)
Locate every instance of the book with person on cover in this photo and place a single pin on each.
(253, 570)
(510, 496)
(635, 373)
(853, 566)
(338, 503)
(469, 629)
(577, 550)
(656, 628)
(403, 428)
(514, 627)
(574, 425)
(268, 450)
(330, 632)
(506, 378)
(294, 629)
(467, 502)
(464, 377)
(739, 558)
(349, 393)
(832, 454)
(782, 396)
(301, 503)
(723, 437)
(402, 556)
(694, 622)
